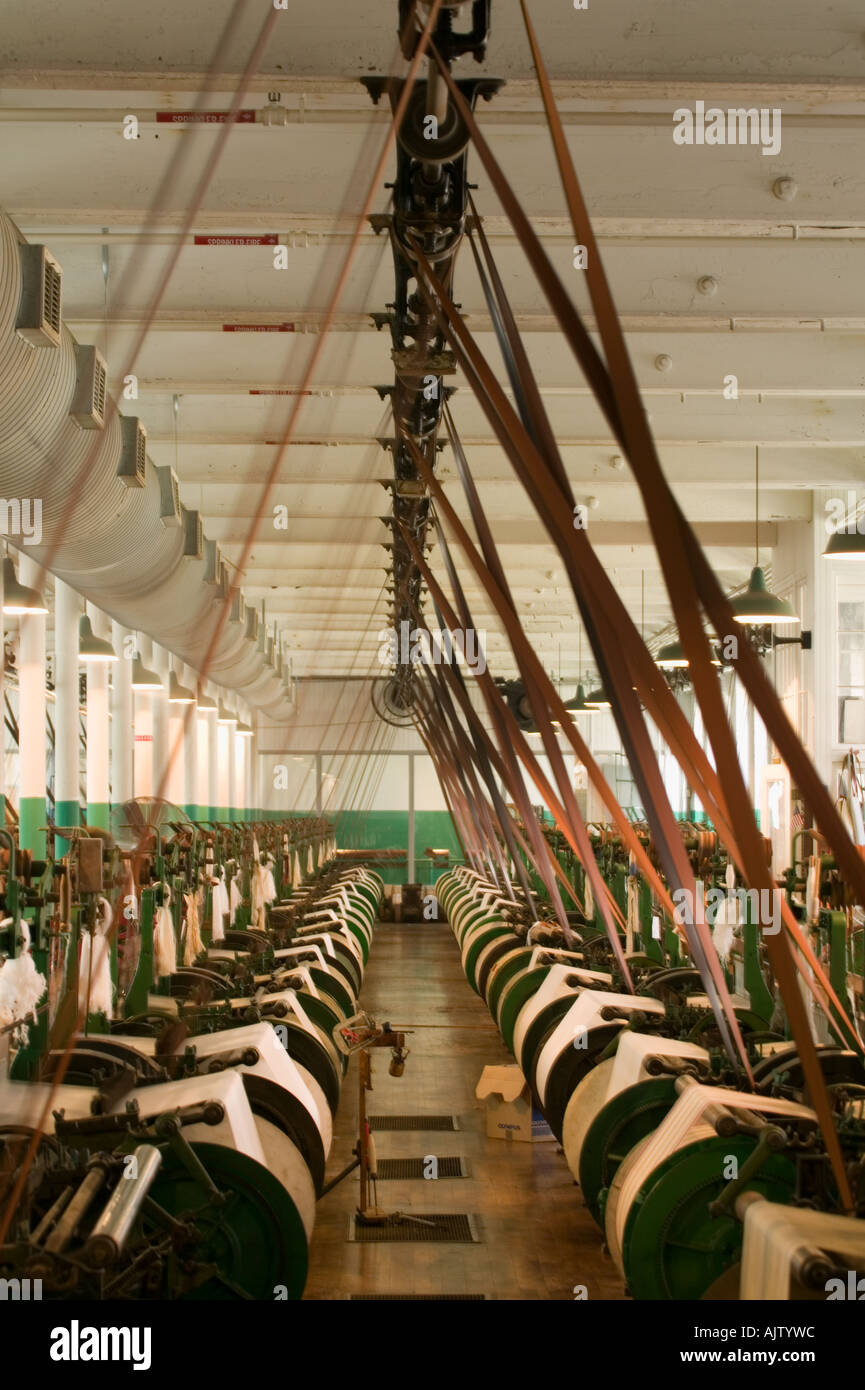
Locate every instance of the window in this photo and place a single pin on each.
(850, 663)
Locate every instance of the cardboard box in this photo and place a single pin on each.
(510, 1112)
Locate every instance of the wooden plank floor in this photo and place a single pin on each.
(537, 1239)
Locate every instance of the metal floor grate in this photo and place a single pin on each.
(418, 1297)
(426, 1227)
(401, 1122)
(449, 1167)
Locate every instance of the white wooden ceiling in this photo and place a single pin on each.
(787, 316)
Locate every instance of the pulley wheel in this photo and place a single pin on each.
(255, 1238)
(502, 974)
(452, 138)
(620, 1124)
(673, 1247)
(484, 938)
(518, 993)
(490, 957)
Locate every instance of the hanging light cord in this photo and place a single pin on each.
(756, 504)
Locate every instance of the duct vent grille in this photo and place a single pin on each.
(88, 403)
(170, 512)
(132, 467)
(212, 562)
(39, 312)
(193, 533)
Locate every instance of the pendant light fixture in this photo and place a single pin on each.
(178, 694)
(757, 605)
(224, 715)
(578, 703)
(845, 545)
(91, 647)
(142, 678)
(672, 657)
(206, 705)
(597, 699)
(244, 731)
(20, 598)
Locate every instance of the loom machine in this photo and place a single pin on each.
(703, 1184)
(172, 1055)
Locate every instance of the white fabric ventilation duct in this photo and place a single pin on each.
(115, 549)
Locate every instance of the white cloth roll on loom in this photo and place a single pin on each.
(581, 1018)
(586, 1103)
(635, 1049)
(773, 1235)
(682, 1126)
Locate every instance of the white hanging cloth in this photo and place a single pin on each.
(164, 939)
(21, 987)
(726, 918)
(262, 891)
(269, 883)
(193, 944)
(95, 989)
(633, 919)
(219, 905)
(589, 904)
(235, 898)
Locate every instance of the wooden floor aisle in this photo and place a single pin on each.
(536, 1239)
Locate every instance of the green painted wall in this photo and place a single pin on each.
(434, 830)
(389, 830)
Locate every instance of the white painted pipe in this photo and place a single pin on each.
(190, 744)
(2, 717)
(158, 663)
(98, 770)
(212, 765)
(224, 756)
(122, 782)
(203, 762)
